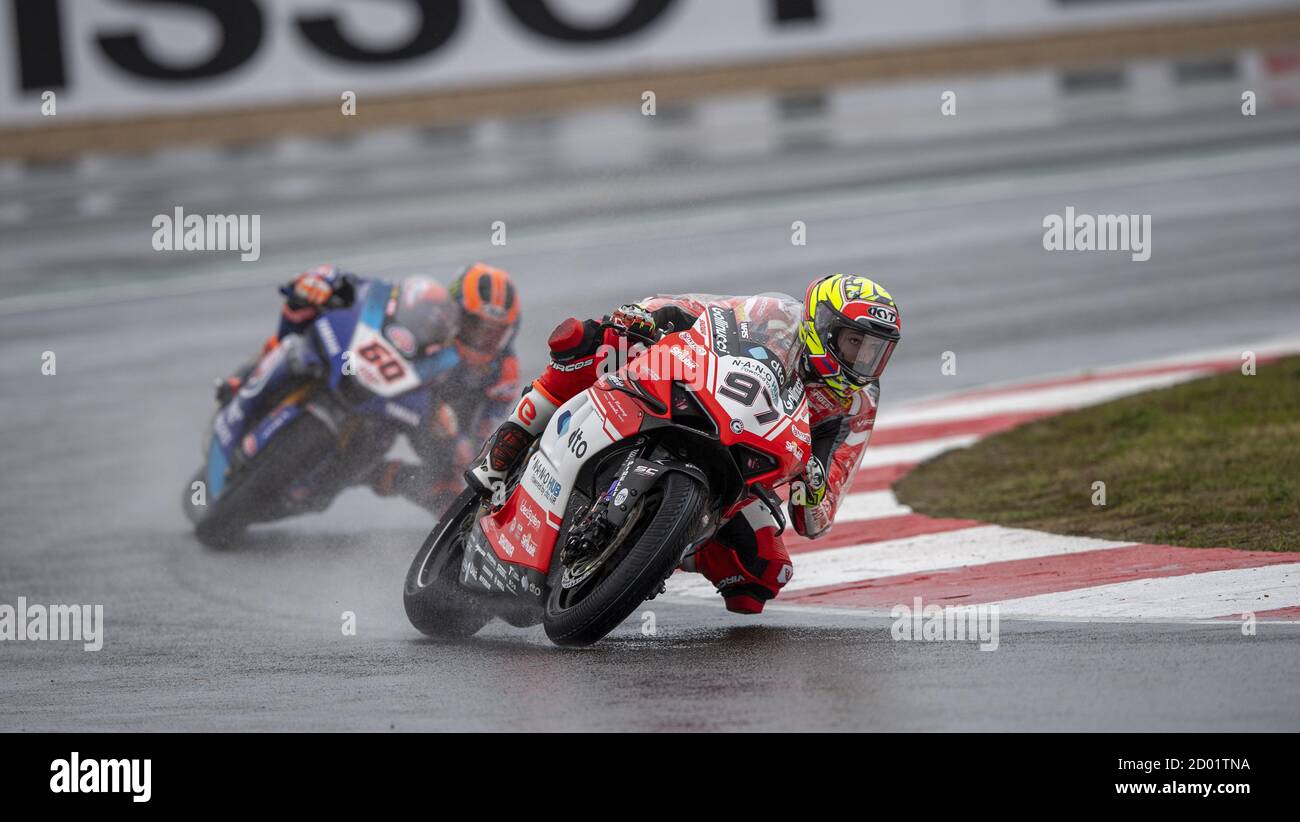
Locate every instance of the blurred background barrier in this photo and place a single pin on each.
(127, 74)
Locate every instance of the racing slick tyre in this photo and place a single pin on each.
(434, 601)
(255, 492)
(661, 524)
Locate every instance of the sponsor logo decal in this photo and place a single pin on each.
(222, 429)
(883, 313)
(402, 414)
(562, 422)
(506, 544)
(721, 329)
(546, 484)
(326, 333)
(793, 396)
(825, 402)
(685, 359)
(793, 448)
(401, 337)
(572, 366)
(530, 516)
(527, 412)
(577, 445)
(530, 544)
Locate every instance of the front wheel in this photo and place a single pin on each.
(257, 493)
(434, 601)
(664, 520)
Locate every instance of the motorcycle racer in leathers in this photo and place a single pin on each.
(849, 329)
(479, 313)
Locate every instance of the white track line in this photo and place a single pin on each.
(1055, 398)
(866, 505)
(912, 452)
(1191, 596)
(1278, 346)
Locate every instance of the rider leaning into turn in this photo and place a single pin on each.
(479, 313)
(849, 330)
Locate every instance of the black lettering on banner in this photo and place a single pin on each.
(788, 11)
(38, 46)
(538, 17)
(438, 22)
(41, 64)
(240, 23)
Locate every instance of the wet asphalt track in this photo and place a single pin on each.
(93, 458)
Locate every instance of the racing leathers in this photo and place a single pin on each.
(747, 560)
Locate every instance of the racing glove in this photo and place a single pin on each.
(321, 287)
(634, 318)
(812, 484)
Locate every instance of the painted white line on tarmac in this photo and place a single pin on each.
(913, 452)
(1277, 346)
(866, 505)
(1191, 596)
(1055, 398)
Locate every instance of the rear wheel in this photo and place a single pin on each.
(434, 601)
(255, 493)
(580, 611)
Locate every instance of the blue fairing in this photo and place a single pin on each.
(217, 465)
(335, 333)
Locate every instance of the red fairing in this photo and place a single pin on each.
(522, 531)
(788, 442)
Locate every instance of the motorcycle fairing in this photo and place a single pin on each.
(230, 422)
(524, 530)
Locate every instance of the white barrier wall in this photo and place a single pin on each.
(105, 59)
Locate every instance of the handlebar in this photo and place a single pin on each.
(627, 332)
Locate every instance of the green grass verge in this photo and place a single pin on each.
(1210, 463)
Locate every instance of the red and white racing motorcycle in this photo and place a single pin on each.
(629, 477)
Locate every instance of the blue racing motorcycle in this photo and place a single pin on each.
(315, 415)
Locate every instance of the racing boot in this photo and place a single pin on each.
(576, 357)
(506, 447)
(746, 561)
